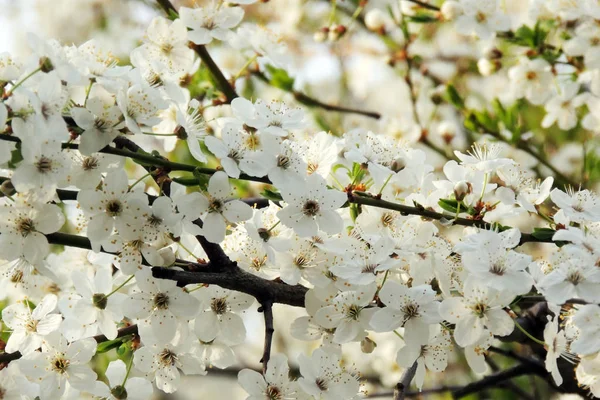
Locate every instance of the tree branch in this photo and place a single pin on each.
(425, 5)
(267, 310)
(308, 101)
(423, 212)
(405, 380)
(498, 378)
(234, 278)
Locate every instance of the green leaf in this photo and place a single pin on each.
(123, 348)
(449, 205)
(280, 78)
(454, 98)
(271, 195)
(109, 345)
(543, 233)
(421, 18)
(15, 156)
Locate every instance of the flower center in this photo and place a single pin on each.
(25, 226)
(479, 309)
(387, 219)
(167, 358)
(215, 206)
(114, 208)
(273, 393)
(300, 261)
(16, 277)
(258, 262)
(352, 311)
(283, 162)
(31, 325)
(410, 310)
(161, 301)
(219, 306)
(60, 364)
(234, 155)
(253, 142)
(498, 268)
(531, 75)
(44, 165)
(89, 163)
(575, 277)
(369, 269)
(311, 208)
(321, 384)
(154, 221)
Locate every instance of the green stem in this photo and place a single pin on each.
(119, 287)
(139, 180)
(29, 75)
(529, 335)
(246, 65)
(128, 370)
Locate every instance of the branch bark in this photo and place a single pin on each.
(405, 380)
(267, 310)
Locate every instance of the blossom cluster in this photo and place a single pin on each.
(384, 237)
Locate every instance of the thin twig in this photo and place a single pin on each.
(425, 5)
(267, 310)
(497, 379)
(214, 69)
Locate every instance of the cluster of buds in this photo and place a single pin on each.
(331, 33)
(490, 63)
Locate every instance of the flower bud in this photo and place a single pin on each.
(167, 255)
(485, 67)
(321, 35)
(462, 189)
(7, 188)
(451, 9)
(336, 32)
(375, 20)
(367, 345)
(398, 165)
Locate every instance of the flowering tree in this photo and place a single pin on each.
(456, 240)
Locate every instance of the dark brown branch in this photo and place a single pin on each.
(234, 278)
(498, 378)
(312, 102)
(425, 5)
(267, 310)
(308, 101)
(228, 276)
(423, 212)
(214, 69)
(216, 72)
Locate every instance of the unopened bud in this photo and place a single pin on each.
(398, 165)
(168, 256)
(375, 20)
(367, 345)
(7, 188)
(485, 67)
(336, 32)
(451, 9)
(462, 189)
(321, 35)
